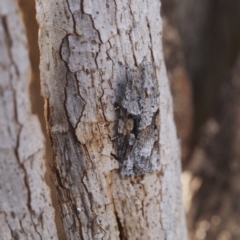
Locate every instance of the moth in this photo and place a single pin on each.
(139, 123)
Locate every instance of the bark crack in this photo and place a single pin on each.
(79, 120)
(74, 22)
(88, 156)
(100, 100)
(150, 36)
(9, 43)
(93, 25)
(107, 52)
(130, 33)
(21, 165)
(9, 226)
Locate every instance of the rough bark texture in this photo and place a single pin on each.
(85, 48)
(28, 13)
(25, 206)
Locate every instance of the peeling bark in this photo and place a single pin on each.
(85, 48)
(25, 205)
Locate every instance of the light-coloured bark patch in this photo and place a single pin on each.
(85, 49)
(25, 206)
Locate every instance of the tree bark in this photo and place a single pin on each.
(25, 205)
(85, 48)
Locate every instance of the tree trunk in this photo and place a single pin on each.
(25, 206)
(85, 49)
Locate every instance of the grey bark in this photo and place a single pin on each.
(25, 205)
(85, 48)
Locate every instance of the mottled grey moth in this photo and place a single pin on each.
(138, 125)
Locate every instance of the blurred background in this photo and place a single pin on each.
(201, 42)
(201, 46)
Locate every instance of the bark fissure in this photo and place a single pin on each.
(150, 36)
(24, 196)
(9, 42)
(100, 100)
(108, 36)
(89, 158)
(92, 21)
(21, 163)
(120, 228)
(132, 47)
(72, 16)
(9, 226)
